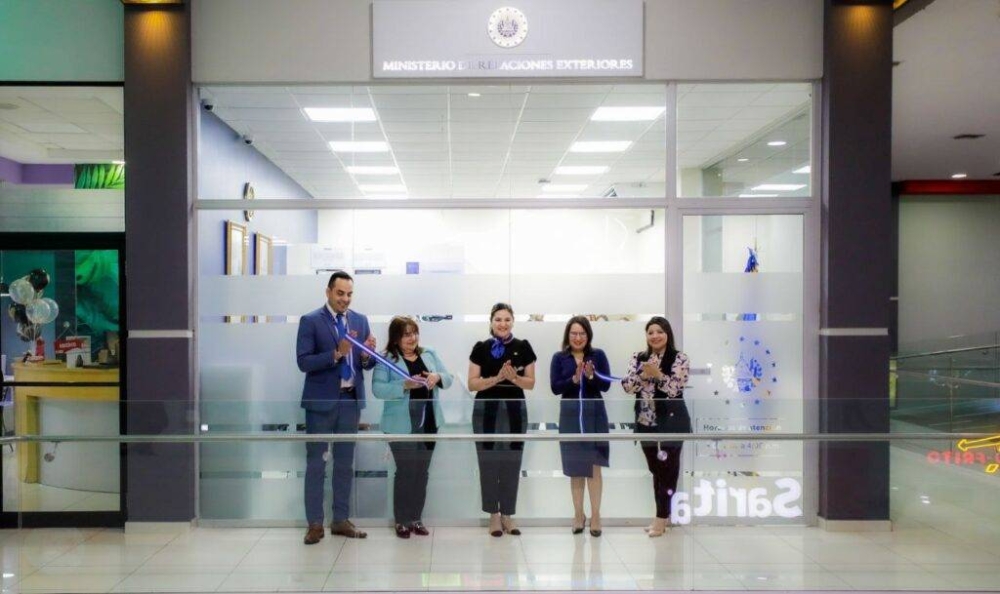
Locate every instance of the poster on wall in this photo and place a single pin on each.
(237, 257)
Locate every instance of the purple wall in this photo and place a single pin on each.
(18, 173)
(225, 164)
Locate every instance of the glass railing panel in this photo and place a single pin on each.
(726, 532)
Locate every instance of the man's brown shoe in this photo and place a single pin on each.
(314, 534)
(346, 528)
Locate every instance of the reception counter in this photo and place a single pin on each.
(28, 398)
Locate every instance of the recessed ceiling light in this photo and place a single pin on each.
(777, 143)
(959, 175)
(382, 188)
(564, 187)
(777, 187)
(340, 114)
(372, 169)
(742, 160)
(627, 114)
(474, 95)
(758, 196)
(581, 169)
(806, 169)
(354, 146)
(600, 146)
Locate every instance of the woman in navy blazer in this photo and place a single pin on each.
(574, 377)
(411, 406)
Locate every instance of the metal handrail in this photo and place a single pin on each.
(503, 437)
(946, 352)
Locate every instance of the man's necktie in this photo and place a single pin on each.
(346, 371)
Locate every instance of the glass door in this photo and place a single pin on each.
(62, 357)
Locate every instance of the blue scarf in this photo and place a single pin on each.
(497, 347)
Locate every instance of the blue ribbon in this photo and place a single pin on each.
(392, 367)
(607, 378)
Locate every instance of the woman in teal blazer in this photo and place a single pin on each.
(411, 406)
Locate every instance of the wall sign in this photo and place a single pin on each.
(493, 39)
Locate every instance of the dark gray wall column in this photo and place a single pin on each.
(854, 341)
(159, 254)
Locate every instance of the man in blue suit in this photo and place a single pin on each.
(333, 396)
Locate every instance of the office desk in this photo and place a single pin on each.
(26, 400)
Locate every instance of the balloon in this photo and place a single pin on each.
(38, 278)
(53, 309)
(21, 291)
(37, 311)
(18, 314)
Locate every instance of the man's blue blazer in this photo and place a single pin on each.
(314, 347)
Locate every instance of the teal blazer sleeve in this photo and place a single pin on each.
(386, 384)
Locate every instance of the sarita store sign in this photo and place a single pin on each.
(506, 38)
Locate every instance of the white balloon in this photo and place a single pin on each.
(21, 291)
(37, 311)
(53, 309)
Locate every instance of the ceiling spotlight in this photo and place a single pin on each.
(354, 146)
(627, 114)
(959, 175)
(600, 146)
(777, 143)
(340, 114)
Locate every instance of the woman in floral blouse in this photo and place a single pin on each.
(657, 377)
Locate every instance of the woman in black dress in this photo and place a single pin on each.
(501, 368)
(574, 377)
(657, 377)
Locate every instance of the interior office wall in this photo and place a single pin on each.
(949, 266)
(61, 40)
(225, 164)
(322, 41)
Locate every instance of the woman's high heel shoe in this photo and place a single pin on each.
(578, 525)
(595, 532)
(496, 527)
(509, 526)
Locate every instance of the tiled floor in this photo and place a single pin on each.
(943, 539)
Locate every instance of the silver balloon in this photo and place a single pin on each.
(53, 309)
(37, 311)
(21, 291)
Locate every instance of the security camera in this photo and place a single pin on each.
(208, 104)
(247, 139)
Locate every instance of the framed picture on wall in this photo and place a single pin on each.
(263, 250)
(237, 244)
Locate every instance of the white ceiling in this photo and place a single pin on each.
(61, 124)
(447, 143)
(947, 83)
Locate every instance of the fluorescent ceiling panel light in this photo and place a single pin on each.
(627, 114)
(758, 195)
(382, 188)
(600, 146)
(564, 187)
(959, 175)
(354, 146)
(581, 169)
(340, 114)
(474, 95)
(804, 170)
(372, 170)
(777, 143)
(742, 160)
(777, 187)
